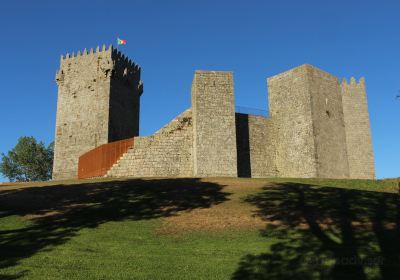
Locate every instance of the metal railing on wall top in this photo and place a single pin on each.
(251, 111)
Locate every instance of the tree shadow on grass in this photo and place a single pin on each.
(326, 233)
(59, 212)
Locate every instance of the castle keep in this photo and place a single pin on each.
(98, 102)
(318, 126)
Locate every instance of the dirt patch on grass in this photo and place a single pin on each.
(177, 202)
(213, 219)
(232, 214)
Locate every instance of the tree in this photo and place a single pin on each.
(29, 160)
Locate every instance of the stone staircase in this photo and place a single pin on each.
(166, 153)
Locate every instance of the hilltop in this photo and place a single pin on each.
(200, 229)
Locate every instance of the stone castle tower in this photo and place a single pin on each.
(213, 106)
(321, 125)
(98, 102)
(318, 126)
(358, 130)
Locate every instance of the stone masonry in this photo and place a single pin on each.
(98, 102)
(310, 137)
(358, 131)
(255, 149)
(167, 153)
(214, 150)
(318, 127)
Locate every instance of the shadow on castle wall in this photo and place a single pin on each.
(243, 145)
(59, 212)
(326, 233)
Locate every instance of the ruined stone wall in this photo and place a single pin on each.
(214, 145)
(328, 125)
(85, 105)
(255, 146)
(167, 153)
(358, 131)
(290, 109)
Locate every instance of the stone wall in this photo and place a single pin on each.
(94, 89)
(305, 104)
(316, 128)
(125, 91)
(167, 153)
(255, 146)
(328, 125)
(82, 109)
(358, 131)
(262, 147)
(214, 146)
(243, 145)
(290, 109)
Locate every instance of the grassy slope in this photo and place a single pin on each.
(200, 229)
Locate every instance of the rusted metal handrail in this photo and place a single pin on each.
(96, 162)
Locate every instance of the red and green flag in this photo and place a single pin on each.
(121, 41)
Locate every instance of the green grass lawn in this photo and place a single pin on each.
(200, 229)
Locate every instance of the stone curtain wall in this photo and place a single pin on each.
(262, 147)
(358, 131)
(255, 146)
(94, 89)
(328, 125)
(290, 109)
(214, 146)
(243, 145)
(167, 153)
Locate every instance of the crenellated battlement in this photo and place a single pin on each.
(123, 61)
(98, 50)
(116, 55)
(108, 60)
(353, 83)
(124, 68)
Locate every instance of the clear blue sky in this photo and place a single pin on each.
(171, 39)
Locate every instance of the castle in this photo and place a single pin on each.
(317, 127)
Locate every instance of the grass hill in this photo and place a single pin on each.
(200, 229)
